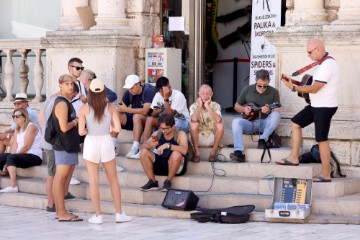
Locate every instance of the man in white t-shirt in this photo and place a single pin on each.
(170, 101)
(324, 103)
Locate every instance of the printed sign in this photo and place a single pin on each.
(266, 17)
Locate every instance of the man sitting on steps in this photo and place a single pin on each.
(164, 154)
(262, 95)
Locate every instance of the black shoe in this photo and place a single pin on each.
(69, 196)
(237, 156)
(150, 185)
(166, 186)
(50, 209)
(261, 144)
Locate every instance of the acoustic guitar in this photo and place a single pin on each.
(255, 109)
(306, 80)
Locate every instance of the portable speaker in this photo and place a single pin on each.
(180, 200)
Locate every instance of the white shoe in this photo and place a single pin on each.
(96, 219)
(10, 190)
(119, 218)
(119, 169)
(132, 152)
(74, 181)
(135, 156)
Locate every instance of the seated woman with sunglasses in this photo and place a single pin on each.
(25, 148)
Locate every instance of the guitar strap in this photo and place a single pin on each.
(311, 65)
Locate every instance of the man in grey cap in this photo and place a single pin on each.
(134, 109)
(20, 101)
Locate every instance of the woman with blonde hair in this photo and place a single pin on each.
(100, 117)
(25, 149)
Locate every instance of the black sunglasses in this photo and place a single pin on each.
(78, 68)
(17, 116)
(262, 86)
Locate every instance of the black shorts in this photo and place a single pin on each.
(129, 122)
(161, 166)
(320, 116)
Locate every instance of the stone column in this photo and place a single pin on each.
(38, 75)
(111, 14)
(24, 71)
(308, 12)
(348, 16)
(9, 75)
(69, 16)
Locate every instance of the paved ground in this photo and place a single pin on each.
(24, 223)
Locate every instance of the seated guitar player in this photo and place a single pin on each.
(255, 104)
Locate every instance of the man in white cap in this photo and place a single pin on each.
(20, 101)
(134, 109)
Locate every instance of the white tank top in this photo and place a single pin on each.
(36, 145)
(94, 127)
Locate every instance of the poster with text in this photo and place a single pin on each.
(266, 17)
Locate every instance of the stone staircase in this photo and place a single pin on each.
(219, 184)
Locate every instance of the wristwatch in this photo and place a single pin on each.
(169, 146)
(293, 88)
(166, 100)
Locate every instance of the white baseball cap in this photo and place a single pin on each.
(97, 86)
(131, 80)
(20, 97)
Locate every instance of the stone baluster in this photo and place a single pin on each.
(111, 14)
(9, 75)
(24, 71)
(308, 13)
(69, 16)
(38, 75)
(332, 7)
(348, 16)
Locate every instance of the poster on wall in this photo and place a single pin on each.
(266, 17)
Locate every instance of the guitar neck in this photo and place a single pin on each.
(292, 80)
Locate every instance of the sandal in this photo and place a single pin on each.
(321, 179)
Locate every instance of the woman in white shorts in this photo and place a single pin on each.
(99, 116)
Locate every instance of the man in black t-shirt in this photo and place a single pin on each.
(134, 109)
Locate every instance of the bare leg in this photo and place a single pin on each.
(296, 142)
(218, 136)
(325, 157)
(49, 191)
(67, 184)
(110, 169)
(93, 173)
(194, 133)
(3, 144)
(12, 173)
(146, 159)
(175, 162)
(150, 123)
(139, 123)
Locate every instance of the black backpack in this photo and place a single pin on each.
(231, 215)
(314, 157)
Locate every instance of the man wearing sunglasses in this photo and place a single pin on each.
(20, 101)
(262, 95)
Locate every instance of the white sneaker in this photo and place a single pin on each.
(74, 181)
(96, 219)
(10, 190)
(135, 156)
(132, 152)
(119, 218)
(119, 169)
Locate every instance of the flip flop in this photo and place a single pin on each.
(284, 161)
(320, 179)
(71, 219)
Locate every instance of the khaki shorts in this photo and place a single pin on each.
(50, 162)
(206, 141)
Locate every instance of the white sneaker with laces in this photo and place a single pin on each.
(10, 190)
(132, 152)
(119, 169)
(135, 156)
(74, 181)
(96, 219)
(120, 218)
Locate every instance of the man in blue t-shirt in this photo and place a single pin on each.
(134, 109)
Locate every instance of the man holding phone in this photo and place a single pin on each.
(134, 109)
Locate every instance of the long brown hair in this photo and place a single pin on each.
(97, 101)
(25, 114)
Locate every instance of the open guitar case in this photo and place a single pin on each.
(231, 215)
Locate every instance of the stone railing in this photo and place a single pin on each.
(23, 47)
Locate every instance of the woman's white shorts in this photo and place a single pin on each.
(98, 148)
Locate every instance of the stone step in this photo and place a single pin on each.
(348, 205)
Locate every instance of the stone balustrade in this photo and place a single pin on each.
(22, 46)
